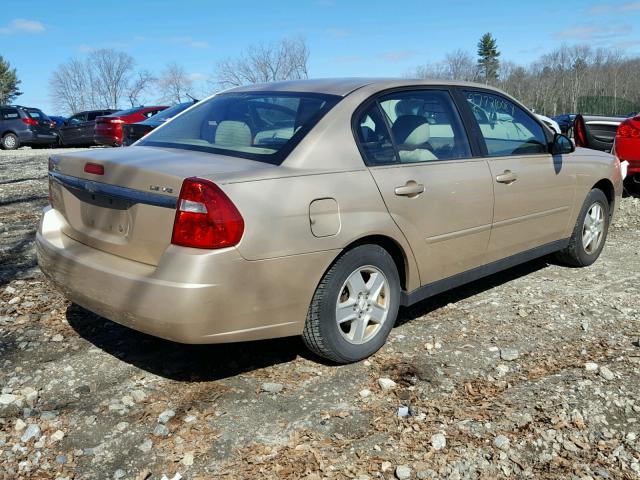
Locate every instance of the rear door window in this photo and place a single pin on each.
(420, 125)
(10, 114)
(506, 128)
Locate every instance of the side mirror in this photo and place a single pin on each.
(562, 145)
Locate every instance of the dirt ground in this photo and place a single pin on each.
(531, 373)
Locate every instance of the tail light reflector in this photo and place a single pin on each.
(93, 168)
(206, 217)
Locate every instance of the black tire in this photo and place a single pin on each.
(575, 253)
(9, 141)
(322, 335)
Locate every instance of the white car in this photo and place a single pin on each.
(552, 124)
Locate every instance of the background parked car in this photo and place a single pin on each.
(59, 121)
(25, 126)
(627, 148)
(565, 122)
(596, 132)
(135, 131)
(108, 129)
(78, 129)
(549, 122)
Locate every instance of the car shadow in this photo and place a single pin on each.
(201, 363)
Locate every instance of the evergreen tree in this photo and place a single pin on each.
(8, 82)
(488, 62)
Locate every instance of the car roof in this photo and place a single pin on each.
(344, 86)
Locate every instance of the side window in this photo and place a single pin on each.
(425, 126)
(506, 128)
(77, 119)
(93, 115)
(373, 137)
(10, 114)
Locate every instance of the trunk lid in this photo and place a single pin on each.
(129, 210)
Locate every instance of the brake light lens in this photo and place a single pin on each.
(627, 145)
(29, 121)
(579, 132)
(206, 217)
(115, 120)
(94, 169)
(630, 128)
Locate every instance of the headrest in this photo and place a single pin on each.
(232, 133)
(411, 130)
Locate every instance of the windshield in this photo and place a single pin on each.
(262, 126)
(171, 112)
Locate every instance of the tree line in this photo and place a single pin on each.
(570, 79)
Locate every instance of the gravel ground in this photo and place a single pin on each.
(532, 373)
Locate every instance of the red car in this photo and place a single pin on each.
(627, 147)
(108, 130)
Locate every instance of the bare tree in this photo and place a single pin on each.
(138, 85)
(285, 60)
(104, 79)
(112, 71)
(174, 84)
(457, 65)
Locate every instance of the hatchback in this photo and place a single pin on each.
(318, 208)
(25, 126)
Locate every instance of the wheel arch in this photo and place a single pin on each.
(394, 249)
(606, 186)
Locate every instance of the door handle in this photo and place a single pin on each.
(410, 189)
(507, 177)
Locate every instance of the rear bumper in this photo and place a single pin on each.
(105, 139)
(191, 296)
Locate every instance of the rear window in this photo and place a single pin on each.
(36, 114)
(262, 126)
(126, 112)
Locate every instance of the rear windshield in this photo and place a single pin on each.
(171, 111)
(262, 126)
(36, 114)
(126, 112)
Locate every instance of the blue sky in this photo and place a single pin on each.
(346, 38)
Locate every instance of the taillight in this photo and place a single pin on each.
(115, 120)
(29, 121)
(630, 128)
(206, 217)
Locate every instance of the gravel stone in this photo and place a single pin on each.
(386, 383)
(591, 367)
(32, 431)
(509, 354)
(270, 387)
(165, 416)
(501, 442)
(403, 472)
(606, 374)
(438, 441)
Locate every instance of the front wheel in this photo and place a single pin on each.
(589, 233)
(354, 306)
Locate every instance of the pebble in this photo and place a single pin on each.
(19, 425)
(119, 474)
(165, 416)
(501, 442)
(365, 393)
(403, 472)
(403, 411)
(438, 441)
(502, 370)
(187, 459)
(138, 396)
(57, 338)
(271, 387)
(32, 431)
(385, 466)
(606, 374)
(591, 367)
(7, 399)
(386, 383)
(57, 436)
(161, 430)
(509, 354)
(146, 446)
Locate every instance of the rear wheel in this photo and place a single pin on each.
(589, 233)
(355, 306)
(9, 141)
